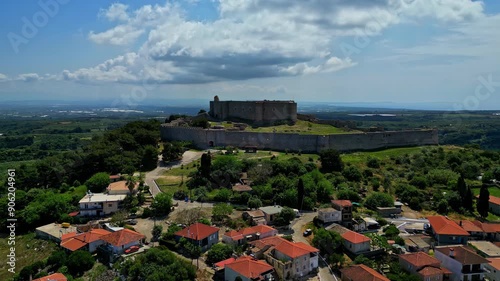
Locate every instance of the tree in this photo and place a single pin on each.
(300, 193)
(205, 165)
(391, 231)
(352, 173)
(118, 218)
(221, 211)
(219, 252)
(238, 278)
(468, 198)
(172, 151)
(419, 181)
(373, 163)
(461, 187)
(379, 199)
(156, 232)
(162, 204)
(327, 242)
(254, 203)
(331, 161)
(349, 194)
(361, 259)
(130, 183)
(149, 158)
(79, 262)
(285, 216)
(98, 182)
(483, 202)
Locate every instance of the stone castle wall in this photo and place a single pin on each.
(258, 112)
(206, 138)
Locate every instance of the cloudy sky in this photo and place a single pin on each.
(401, 51)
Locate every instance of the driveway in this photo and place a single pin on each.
(187, 157)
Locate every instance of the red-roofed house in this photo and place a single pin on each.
(248, 269)
(220, 265)
(248, 234)
(493, 269)
(494, 205)
(289, 259)
(89, 240)
(361, 272)
(356, 243)
(121, 240)
(491, 231)
(200, 234)
(120, 187)
(471, 228)
(52, 277)
(447, 232)
(426, 267)
(463, 262)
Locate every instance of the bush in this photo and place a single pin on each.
(379, 199)
(219, 252)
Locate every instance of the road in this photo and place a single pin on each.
(297, 226)
(187, 157)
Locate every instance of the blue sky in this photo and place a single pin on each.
(400, 51)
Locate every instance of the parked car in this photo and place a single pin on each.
(307, 232)
(131, 249)
(132, 222)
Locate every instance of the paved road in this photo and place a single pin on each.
(187, 157)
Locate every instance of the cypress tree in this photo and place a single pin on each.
(483, 202)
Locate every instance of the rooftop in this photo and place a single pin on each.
(74, 241)
(122, 237)
(361, 272)
(494, 262)
(197, 231)
(355, 237)
(342, 203)
(240, 234)
(271, 209)
(120, 186)
(487, 248)
(462, 254)
(223, 263)
(444, 226)
(256, 213)
(52, 277)
(249, 267)
(101, 197)
(294, 250)
(468, 226)
(430, 271)
(241, 188)
(494, 200)
(420, 259)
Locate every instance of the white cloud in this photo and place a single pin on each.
(119, 35)
(3, 77)
(115, 12)
(28, 77)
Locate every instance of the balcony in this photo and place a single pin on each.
(90, 208)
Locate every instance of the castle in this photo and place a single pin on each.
(271, 112)
(266, 112)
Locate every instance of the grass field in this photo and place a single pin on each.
(300, 127)
(28, 250)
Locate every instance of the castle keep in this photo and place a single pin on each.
(266, 112)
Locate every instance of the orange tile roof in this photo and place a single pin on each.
(74, 241)
(237, 235)
(73, 244)
(223, 263)
(249, 267)
(197, 231)
(120, 186)
(420, 259)
(430, 271)
(468, 226)
(294, 250)
(462, 254)
(361, 272)
(268, 241)
(494, 262)
(52, 277)
(122, 237)
(355, 237)
(342, 203)
(494, 200)
(444, 226)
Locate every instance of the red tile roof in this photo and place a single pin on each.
(355, 237)
(342, 203)
(197, 231)
(74, 241)
(294, 250)
(361, 272)
(250, 268)
(73, 244)
(114, 177)
(223, 263)
(420, 259)
(73, 214)
(430, 271)
(268, 241)
(120, 186)
(237, 235)
(468, 226)
(122, 237)
(444, 226)
(494, 262)
(462, 254)
(52, 277)
(494, 200)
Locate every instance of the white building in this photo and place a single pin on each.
(100, 204)
(328, 215)
(462, 261)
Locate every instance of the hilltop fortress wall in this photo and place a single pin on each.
(206, 138)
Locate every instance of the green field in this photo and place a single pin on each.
(300, 127)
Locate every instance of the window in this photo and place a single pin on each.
(304, 267)
(110, 205)
(305, 258)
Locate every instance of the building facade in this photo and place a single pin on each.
(100, 204)
(462, 261)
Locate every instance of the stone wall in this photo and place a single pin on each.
(205, 138)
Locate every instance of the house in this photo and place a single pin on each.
(199, 234)
(328, 215)
(114, 178)
(355, 243)
(222, 264)
(52, 277)
(492, 269)
(241, 188)
(88, 241)
(120, 187)
(486, 248)
(117, 242)
(345, 206)
(462, 261)
(248, 269)
(491, 231)
(100, 204)
(361, 272)
(271, 213)
(446, 231)
(248, 234)
(494, 205)
(256, 217)
(290, 260)
(474, 230)
(424, 266)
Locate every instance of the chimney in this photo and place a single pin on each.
(460, 223)
(452, 253)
